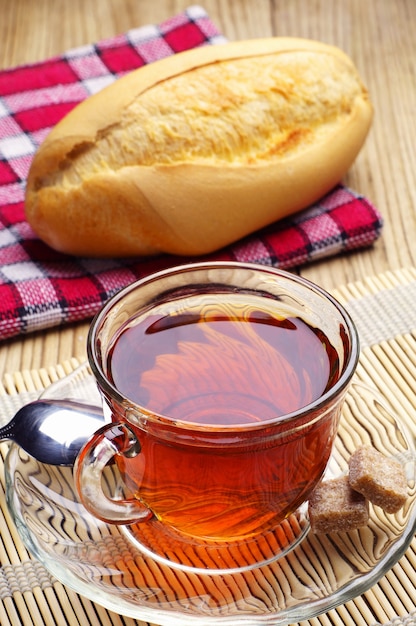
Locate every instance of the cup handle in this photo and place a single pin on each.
(107, 442)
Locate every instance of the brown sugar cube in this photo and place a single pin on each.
(379, 478)
(335, 507)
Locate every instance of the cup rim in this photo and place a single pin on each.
(111, 390)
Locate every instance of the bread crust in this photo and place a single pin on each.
(191, 204)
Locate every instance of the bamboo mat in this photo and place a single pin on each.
(384, 308)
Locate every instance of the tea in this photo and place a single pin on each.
(222, 363)
(223, 366)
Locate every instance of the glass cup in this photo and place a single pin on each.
(223, 385)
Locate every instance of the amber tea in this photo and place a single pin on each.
(223, 383)
(232, 363)
(224, 362)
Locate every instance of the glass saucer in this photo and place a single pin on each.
(100, 562)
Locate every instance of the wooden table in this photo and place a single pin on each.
(377, 34)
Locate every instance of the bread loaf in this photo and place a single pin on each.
(193, 152)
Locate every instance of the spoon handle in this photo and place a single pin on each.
(7, 431)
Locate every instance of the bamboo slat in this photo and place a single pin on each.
(30, 595)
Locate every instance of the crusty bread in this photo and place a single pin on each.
(193, 152)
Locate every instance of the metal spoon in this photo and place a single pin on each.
(53, 431)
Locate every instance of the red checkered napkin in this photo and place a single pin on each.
(39, 287)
